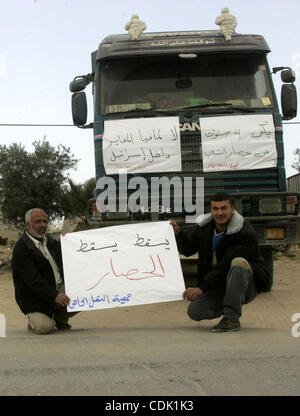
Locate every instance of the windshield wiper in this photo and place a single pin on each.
(134, 110)
(225, 104)
(139, 111)
(170, 111)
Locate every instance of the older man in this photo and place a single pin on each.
(38, 276)
(231, 270)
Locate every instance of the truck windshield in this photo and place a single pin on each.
(174, 84)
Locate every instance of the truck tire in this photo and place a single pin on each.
(267, 253)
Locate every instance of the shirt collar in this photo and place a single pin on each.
(36, 241)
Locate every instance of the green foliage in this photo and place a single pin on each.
(74, 199)
(29, 180)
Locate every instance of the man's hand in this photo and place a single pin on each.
(175, 226)
(62, 299)
(191, 293)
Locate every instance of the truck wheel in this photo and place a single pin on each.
(267, 253)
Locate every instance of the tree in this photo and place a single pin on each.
(29, 180)
(296, 162)
(74, 199)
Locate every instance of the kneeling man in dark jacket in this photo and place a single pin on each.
(231, 270)
(38, 276)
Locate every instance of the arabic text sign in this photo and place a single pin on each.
(122, 265)
(238, 142)
(141, 145)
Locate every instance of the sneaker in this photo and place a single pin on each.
(63, 326)
(226, 325)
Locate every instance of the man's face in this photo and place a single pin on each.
(38, 224)
(221, 212)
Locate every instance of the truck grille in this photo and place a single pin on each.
(191, 153)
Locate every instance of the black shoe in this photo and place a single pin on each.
(226, 325)
(63, 326)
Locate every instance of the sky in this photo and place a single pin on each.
(44, 44)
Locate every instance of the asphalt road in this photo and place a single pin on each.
(156, 361)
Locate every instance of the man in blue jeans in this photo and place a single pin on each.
(231, 270)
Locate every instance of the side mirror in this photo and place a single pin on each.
(288, 76)
(288, 101)
(78, 84)
(79, 108)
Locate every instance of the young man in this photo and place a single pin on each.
(231, 270)
(38, 276)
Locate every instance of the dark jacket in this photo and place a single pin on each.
(239, 240)
(35, 286)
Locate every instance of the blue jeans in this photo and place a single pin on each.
(240, 289)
